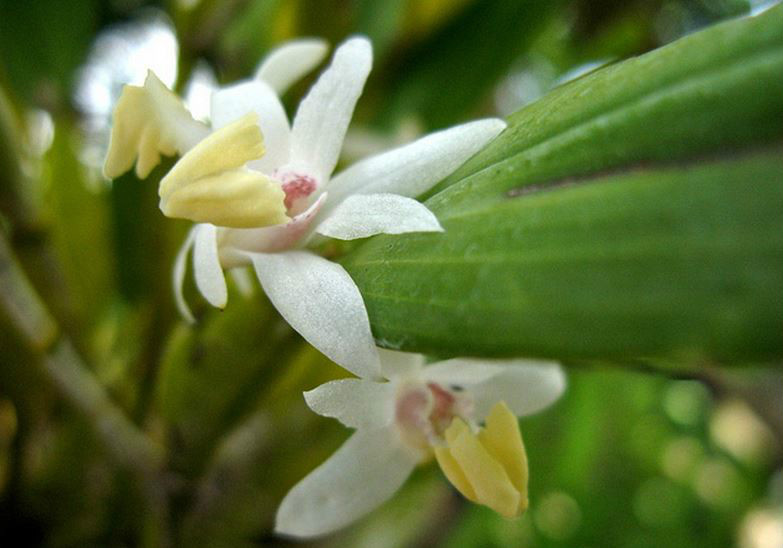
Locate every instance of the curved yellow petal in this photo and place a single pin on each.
(490, 482)
(451, 468)
(228, 148)
(209, 184)
(489, 468)
(236, 199)
(148, 121)
(502, 438)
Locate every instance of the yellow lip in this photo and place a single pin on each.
(490, 467)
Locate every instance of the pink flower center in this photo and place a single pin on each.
(424, 412)
(443, 408)
(297, 187)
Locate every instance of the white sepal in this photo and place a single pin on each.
(324, 114)
(288, 63)
(365, 472)
(357, 403)
(210, 279)
(320, 301)
(413, 169)
(361, 216)
(232, 103)
(178, 275)
(464, 372)
(526, 386)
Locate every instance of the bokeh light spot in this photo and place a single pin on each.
(557, 515)
(681, 457)
(685, 402)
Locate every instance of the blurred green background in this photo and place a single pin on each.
(632, 456)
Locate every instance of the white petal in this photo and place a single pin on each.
(357, 403)
(288, 63)
(320, 300)
(206, 265)
(361, 216)
(464, 372)
(231, 103)
(178, 275)
(526, 386)
(323, 116)
(364, 473)
(199, 89)
(399, 364)
(413, 169)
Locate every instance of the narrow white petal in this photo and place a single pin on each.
(178, 275)
(323, 116)
(399, 364)
(320, 300)
(360, 216)
(526, 386)
(231, 103)
(364, 473)
(289, 62)
(206, 265)
(464, 372)
(413, 169)
(357, 403)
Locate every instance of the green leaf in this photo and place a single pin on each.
(636, 212)
(716, 89)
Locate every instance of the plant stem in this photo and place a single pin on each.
(63, 367)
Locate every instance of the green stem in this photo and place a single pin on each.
(63, 367)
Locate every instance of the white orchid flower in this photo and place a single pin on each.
(417, 411)
(262, 188)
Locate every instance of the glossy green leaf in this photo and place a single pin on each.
(636, 212)
(719, 89)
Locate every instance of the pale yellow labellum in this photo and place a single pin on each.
(490, 467)
(210, 185)
(148, 121)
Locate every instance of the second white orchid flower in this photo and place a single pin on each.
(417, 412)
(261, 188)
